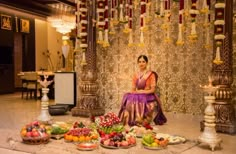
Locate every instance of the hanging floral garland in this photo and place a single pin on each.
(121, 16)
(166, 25)
(142, 21)
(100, 20)
(113, 14)
(180, 41)
(77, 20)
(82, 28)
(126, 21)
(148, 9)
(130, 23)
(193, 13)
(106, 41)
(207, 22)
(219, 29)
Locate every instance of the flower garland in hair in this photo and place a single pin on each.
(193, 13)
(142, 21)
(130, 23)
(180, 41)
(100, 18)
(106, 41)
(219, 29)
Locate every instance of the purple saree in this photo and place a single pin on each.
(136, 108)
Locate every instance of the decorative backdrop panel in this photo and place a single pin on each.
(181, 69)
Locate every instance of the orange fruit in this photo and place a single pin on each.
(82, 138)
(68, 137)
(23, 132)
(94, 136)
(75, 138)
(87, 138)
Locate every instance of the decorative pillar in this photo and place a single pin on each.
(223, 74)
(88, 104)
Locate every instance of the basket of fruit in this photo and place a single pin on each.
(35, 133)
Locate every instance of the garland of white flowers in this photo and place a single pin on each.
(193, 12)
(131, 43)
(142, 21)
(121, 16)
(206, 10)
(180, 41)
(126, 22)
(166, 25)
(112, 20)
(100, 20)
(148, 9)
(106, 26)
(219, 29)
(77, 42)
(162, 8)
(82, 28)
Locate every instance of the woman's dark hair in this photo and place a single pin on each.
(144, 57)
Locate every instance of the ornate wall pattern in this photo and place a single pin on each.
(181, 69)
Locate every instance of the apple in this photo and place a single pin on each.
(131, 140)
(29, 134)
(106, 142)
(124, 143)
(35, 123)
(35, 134)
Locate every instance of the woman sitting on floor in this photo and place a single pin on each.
(142, 104)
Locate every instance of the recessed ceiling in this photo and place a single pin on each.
(38, 7)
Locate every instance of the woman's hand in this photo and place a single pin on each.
(140, 91)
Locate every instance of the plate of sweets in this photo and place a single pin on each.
(173, 139)
(87, 146)
(151, 142)
(35, 133)
(141, 130)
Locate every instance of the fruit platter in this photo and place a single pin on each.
(35, 133)
(116, 140)
(58, 129)
(153, 142)
(173, 139)
(87, 146)
(140, 131)
(80, 133)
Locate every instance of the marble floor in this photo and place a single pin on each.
(16, 112)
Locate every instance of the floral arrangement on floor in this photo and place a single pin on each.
(108, 123)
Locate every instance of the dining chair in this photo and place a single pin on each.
(32, 84)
